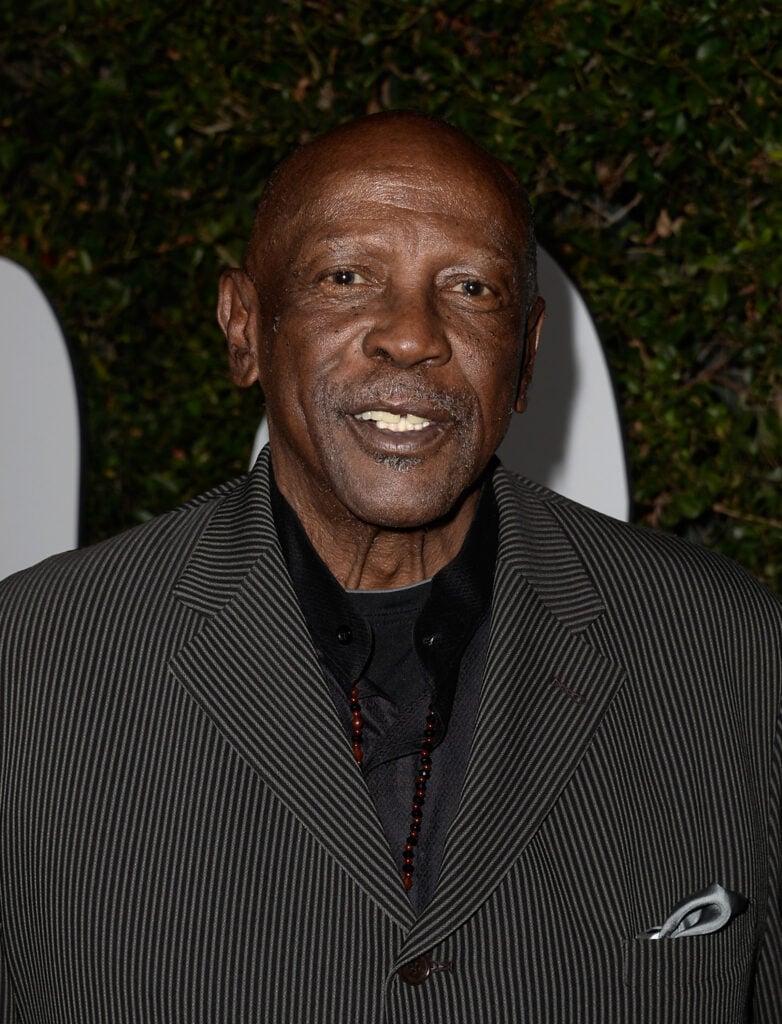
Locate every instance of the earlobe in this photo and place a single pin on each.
(531, 344)
(239, 317)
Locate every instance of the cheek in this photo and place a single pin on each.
(318, 339)
(294, 353)
(492, 369)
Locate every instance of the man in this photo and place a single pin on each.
(382, 732)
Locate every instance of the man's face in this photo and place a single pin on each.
(392, 308)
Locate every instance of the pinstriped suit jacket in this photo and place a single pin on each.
(186, 837)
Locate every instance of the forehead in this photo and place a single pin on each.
(431, 190)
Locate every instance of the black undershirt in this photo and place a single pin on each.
(405, 649)
(392, 690)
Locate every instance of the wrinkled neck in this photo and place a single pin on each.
(362, 556)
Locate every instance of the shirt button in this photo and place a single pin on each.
(416, 971)
(344, 634)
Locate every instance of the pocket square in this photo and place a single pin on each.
(706, 911)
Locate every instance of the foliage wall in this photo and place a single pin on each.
(134, 139)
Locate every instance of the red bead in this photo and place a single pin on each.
(407, 881)
(358, 753)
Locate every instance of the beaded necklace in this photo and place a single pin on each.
(419, 795)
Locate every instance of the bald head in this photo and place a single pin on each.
(407, 139)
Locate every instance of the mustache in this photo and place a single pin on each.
(412, 389)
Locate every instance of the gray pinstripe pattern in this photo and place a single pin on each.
(176, 847)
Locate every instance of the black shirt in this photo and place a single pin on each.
(405, 649)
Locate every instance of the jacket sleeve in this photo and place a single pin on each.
(768, 981)
(768, 990)
(7, 1008)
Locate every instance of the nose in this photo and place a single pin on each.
(408, 330)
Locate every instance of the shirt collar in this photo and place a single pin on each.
(459, 599)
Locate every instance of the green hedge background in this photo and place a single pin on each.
(134, 140)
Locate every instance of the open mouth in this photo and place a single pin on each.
(400, 423)
(403, 434)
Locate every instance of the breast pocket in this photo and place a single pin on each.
(697, 978)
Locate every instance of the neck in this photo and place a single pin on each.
(362, 556)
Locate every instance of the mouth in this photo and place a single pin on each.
(396, 422)
(399, 421)
(399, 433)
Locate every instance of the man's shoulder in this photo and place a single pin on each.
(627, 558)
(138, 556)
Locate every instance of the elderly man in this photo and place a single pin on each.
(382, 733)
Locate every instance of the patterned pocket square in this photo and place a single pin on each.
(706, 911)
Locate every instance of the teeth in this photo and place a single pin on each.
(394, 421)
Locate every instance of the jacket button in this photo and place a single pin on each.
(416, 971)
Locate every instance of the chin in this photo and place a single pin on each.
(407, 505)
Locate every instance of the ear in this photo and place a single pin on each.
(238, 313)
(531, 342)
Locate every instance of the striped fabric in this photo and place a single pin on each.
(187, 839)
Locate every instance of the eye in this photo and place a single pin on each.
(474, 294)
(345, 278)
(475, 289)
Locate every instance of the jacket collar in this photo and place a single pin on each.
(239, 531)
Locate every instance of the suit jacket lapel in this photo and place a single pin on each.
(253, 670)
(545, 691)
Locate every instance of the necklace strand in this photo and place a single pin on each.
(424, 771)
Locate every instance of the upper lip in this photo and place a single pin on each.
(401, 408)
